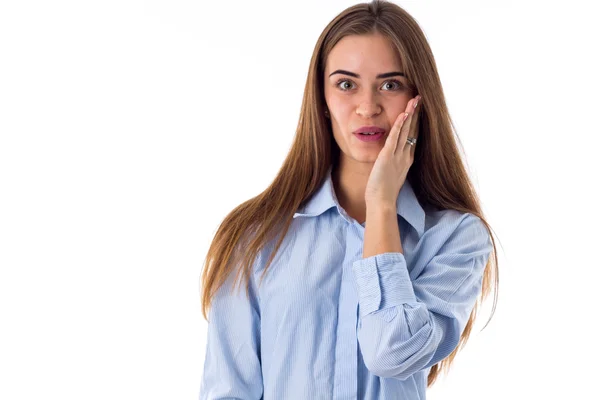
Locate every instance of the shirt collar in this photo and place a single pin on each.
(407, 204)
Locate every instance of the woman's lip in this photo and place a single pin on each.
(370, 138)
(370, 129)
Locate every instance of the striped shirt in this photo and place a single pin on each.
(326, 324)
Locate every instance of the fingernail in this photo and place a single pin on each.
(405, 116)
(416, 102)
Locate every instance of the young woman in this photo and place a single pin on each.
(364, 260)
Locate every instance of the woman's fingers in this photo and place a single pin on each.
(396, 131)
(403, 126)
(414, 126)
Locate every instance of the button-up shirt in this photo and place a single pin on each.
(328, 324)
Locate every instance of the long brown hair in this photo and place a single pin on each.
(437, 174)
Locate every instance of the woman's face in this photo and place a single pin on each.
(357, 96)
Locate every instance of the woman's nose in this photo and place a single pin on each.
(367, 110)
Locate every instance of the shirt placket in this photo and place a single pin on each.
(346, 351)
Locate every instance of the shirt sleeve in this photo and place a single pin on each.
(232, 366)
(406, 326)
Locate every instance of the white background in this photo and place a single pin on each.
(129, 129)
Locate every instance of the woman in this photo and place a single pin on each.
(364, 259)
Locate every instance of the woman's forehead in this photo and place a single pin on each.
(368, 54)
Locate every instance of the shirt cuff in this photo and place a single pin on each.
(382, 281)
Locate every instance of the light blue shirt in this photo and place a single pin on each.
(326, 324)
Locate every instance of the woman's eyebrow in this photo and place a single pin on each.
(385, 75)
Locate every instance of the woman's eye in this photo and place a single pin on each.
(393, 81)
(343, 81)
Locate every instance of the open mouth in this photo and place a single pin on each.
(366, 137)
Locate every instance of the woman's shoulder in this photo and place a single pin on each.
(449, 220)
